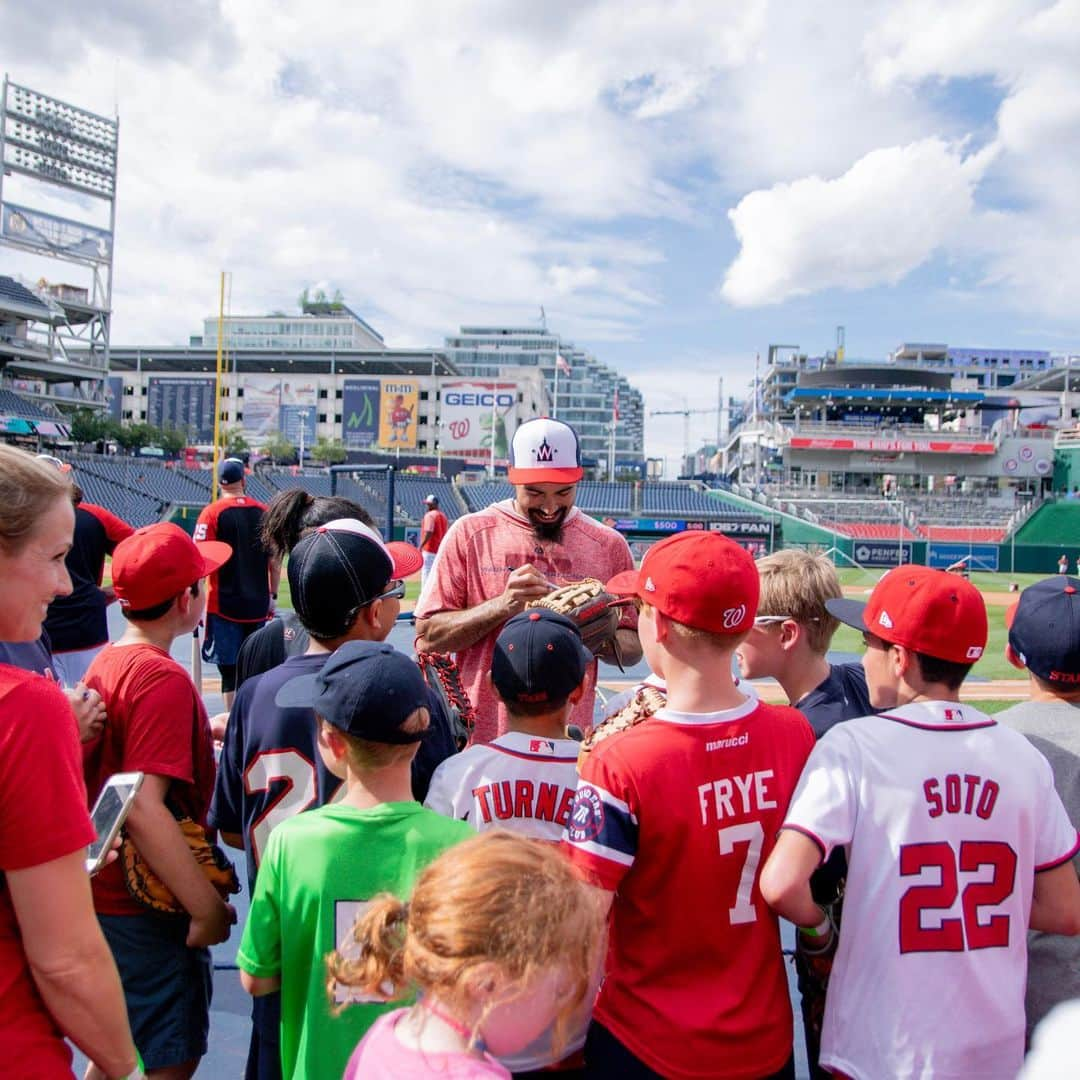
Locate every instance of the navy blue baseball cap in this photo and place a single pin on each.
(1044, 630)
(539, 656)
(231, 471)
(366, 688)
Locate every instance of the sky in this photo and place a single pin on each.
(678, 183)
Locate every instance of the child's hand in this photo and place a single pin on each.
(211, 929)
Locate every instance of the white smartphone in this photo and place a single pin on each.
(110, 810)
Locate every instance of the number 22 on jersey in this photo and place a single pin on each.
(989, 867)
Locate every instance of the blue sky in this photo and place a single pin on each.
(678, 183)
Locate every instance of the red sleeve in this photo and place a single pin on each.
(43, 813)
(158, 738)
(115, 529)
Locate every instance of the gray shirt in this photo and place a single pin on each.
(1053, 728)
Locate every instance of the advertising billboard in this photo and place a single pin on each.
(398, 401)
(360, 413)
(299, 409)
(55, 235)
(476, 415)
(262, 405)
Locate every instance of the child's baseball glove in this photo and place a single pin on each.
(148, 889)
(646, 701)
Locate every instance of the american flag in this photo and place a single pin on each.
(561, 364)
(615, 407)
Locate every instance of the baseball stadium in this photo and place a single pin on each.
(462, 486)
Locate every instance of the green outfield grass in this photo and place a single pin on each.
(284, 600)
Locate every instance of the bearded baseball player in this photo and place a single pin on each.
(494, 562)
(956, 843)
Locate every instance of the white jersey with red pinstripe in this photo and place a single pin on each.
(946, 816)
(520, 782)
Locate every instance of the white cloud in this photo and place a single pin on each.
(889, 213)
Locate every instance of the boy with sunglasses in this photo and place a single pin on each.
(346, 585)
(791, 636)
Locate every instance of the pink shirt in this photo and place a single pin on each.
(380, 1055)
(472, 566)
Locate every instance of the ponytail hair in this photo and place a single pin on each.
(497, 898)
(371, 960)
(291, 513)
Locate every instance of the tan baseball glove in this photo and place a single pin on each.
(589, 605)
(148, 889)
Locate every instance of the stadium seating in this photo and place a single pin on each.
(684, 499)
(963, 534)
(865, 530)
(11, 404)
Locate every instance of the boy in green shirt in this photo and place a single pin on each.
(321, 868)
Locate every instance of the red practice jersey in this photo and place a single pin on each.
(240, 590)
(677, 816)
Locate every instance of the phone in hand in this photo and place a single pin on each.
(110, 810)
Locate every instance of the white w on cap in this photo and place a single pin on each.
(545, 451)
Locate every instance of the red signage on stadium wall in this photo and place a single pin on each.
(891, 446)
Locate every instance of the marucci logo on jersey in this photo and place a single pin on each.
(727, 744)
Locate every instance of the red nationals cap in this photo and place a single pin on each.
(159, 562)
(699, 579)
(930, 611)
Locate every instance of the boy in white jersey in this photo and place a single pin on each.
(956, 843)
(525, 779)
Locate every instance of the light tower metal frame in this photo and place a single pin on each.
(54, 143)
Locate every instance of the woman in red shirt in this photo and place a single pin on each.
(57, 976)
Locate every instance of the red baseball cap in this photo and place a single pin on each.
(699, 579)
(929, 611)
(159, 562)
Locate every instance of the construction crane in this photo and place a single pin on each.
(686, 414)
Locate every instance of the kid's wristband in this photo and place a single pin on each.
(822, 929)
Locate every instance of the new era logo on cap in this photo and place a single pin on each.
(884, 620)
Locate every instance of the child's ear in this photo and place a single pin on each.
(484, 982)
(330, 740)
(1013, 659)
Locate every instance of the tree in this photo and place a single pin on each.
(171, 439)
(328, 451)
(88, 426)
(135, 436)
(234, 442)
(279, 449)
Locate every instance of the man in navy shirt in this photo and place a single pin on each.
(346, 585)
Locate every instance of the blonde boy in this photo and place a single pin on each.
(791, 635)
(673, 818)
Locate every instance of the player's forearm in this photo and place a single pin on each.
(451, 631)
(1055, 902)
(154, 831)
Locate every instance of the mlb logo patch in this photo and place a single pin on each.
(974, 652)
(541, 746)
(954, 716)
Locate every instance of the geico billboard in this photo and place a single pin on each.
(474, 416)
(485, 398)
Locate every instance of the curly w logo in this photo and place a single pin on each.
(733, 616)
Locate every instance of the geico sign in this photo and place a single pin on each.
(453, 397)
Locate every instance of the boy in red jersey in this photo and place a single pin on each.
(674, 818)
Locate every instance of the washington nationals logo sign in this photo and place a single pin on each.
(587, 817)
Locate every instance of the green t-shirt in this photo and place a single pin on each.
(318, 870)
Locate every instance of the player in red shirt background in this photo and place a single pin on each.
(432, 530)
